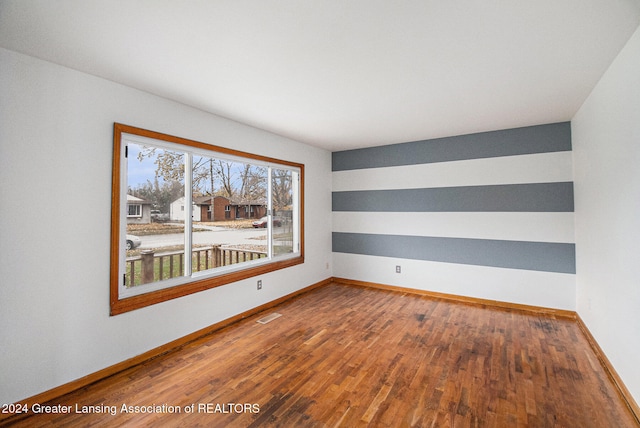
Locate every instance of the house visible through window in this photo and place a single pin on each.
(194, 242)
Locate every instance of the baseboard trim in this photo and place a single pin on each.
(174, 345)
(560, 313)
(625, 394)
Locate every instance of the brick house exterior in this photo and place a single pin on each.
(226, 209)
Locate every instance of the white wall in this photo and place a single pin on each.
(606, 144)
(177, 210)
(55, 183)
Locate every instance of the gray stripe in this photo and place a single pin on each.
(535, 197)
(533, 139)
(537, 256)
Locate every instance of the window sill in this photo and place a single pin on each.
(120, 306)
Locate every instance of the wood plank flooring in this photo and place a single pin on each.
(350, 356)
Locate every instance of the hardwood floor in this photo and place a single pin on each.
(351, 356)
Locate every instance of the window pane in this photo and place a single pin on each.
(154, 243)
(133, 209)
(284, 216)
(228, 197)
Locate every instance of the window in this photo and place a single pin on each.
(134, 210)
(198, 245)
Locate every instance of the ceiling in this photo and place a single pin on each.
(340, 74)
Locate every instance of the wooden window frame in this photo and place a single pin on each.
(119, 305)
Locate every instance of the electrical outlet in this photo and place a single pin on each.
(398, 269)
(259, 284)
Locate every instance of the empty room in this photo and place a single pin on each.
(411, 213)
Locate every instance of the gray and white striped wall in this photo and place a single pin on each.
(487, 215)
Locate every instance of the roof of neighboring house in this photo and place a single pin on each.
(206, 200)
(259, 201)
(135, 199)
